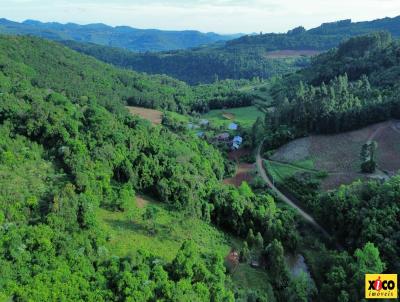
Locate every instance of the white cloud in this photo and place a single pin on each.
(205, 15)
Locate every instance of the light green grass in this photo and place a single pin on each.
(128, 232)
(246, 277)
(280, 171)
(245, 116)
(179, 117)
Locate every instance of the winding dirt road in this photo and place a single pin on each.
(283, 197)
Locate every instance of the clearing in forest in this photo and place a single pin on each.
(128, 232)
(339, 154)
(162, 235)
(151, 115)
(245, 116)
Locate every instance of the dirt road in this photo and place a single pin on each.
(281, 196)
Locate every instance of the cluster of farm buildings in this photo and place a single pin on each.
(235, 141)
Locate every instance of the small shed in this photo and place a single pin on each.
(233, 126)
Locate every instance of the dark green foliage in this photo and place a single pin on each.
(324, 37)
(199, 65)
(276, 265)
(344, 89)
(63, 154)
(245, 57)
(368, 156)
(85, 78)
(368, 166)
(121, 36)
(345, 277)
(364, 212)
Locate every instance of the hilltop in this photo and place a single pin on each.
(134, 39)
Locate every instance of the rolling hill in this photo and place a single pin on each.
(262, 55)
(134, 39)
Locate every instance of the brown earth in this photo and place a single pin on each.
(339, 154)
(228, 116)
(151, 115)
(237, 154)
(243, 173)
(141, 201)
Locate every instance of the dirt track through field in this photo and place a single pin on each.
(283, 197)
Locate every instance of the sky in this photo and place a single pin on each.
(222, 16)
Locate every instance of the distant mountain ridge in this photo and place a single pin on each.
(134, 39)
(249, 56)
(323, 37)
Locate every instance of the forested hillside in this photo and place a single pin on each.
(344, 89)
(324, 37)
(85, 77)
(66, 149)
(69, 150)
(134, 39)
(262, 56)
(199, 65)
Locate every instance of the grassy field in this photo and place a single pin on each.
(245, 116)
(279, 171)
(246, 277)
(129, 232)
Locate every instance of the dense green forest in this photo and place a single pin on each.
(65, 151)
(111, 85)
(134, 39)
(200, 65)
(243, 58)
(323, 37)
(68, 147)
(344, 89)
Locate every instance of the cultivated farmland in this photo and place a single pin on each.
(339, 154)
(151, 115)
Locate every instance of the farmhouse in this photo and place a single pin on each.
(237, 142)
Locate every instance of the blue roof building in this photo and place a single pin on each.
(233, 126)
(236, 142)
